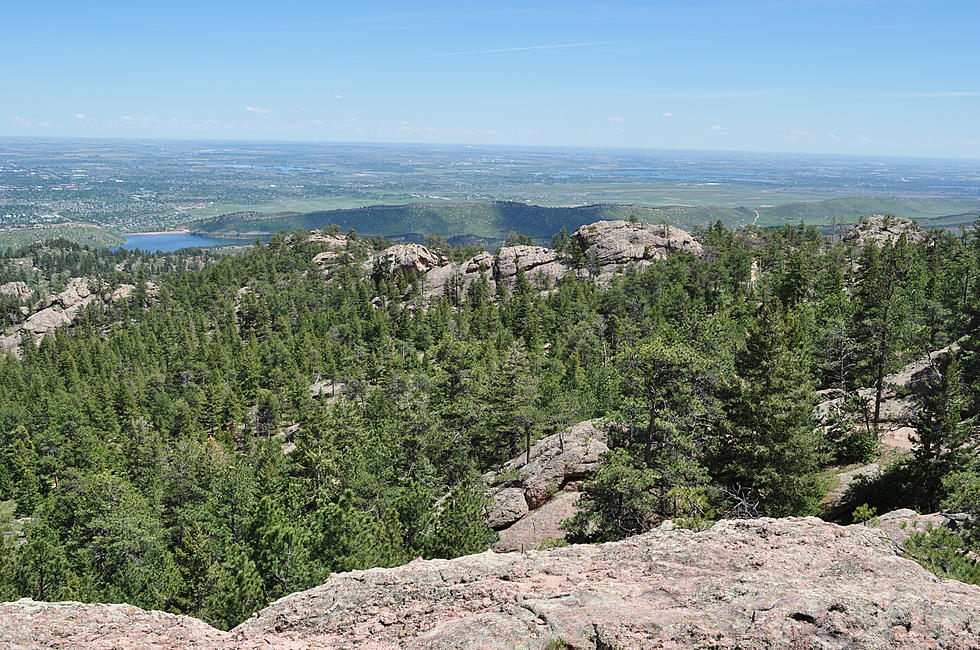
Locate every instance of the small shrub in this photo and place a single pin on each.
(865, 514)
(556, 644)
(557, 542)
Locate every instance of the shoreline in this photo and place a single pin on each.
(156, 232)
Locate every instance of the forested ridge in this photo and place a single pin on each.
(167, 451)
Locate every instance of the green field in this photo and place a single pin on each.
(934, 213)
(294, 205)
(82, 234)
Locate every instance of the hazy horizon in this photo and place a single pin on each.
(487, 145)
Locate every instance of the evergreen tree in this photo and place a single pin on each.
(459, 527)
(41, 570)
(18, 474)
(238, 593)
(942, 431)
(769, 451)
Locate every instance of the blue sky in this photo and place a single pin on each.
(894, 77)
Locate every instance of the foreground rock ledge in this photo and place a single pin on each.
(764, 583)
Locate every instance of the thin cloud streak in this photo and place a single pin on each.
(733, 94)
(955, 93)
(526, 48)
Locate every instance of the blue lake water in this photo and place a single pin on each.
(175, 241)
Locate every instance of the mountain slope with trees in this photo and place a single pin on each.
(170, 453)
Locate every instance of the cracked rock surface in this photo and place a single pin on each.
(761, 583)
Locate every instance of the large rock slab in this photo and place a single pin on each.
(539, 264)
(26, 624)
(570, 455)
(609, 245)
(410, 259)
(18, 289)
(507, 505)
(533, 493)
(761, 583)
(789, 583)
(879, 229)
(440, 280)
(539, 527)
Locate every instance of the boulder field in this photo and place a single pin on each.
(758, 583)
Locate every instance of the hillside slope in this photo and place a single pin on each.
(490, 220)
(789, 583)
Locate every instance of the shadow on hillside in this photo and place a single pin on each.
(896, 486)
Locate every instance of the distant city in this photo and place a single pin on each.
(127, 186)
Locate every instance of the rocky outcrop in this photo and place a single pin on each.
(19, 290)
(325, 257)
(541, 527)
(528, 499)
(761, 583)
(334, 252)
(880, 228)
(897, 525)
(64, 309)
(610, 245)
(55, 311)
(27, 624)
(899, 402)
(540, 265)
(458, 277)
(330, 242)
(410, 259)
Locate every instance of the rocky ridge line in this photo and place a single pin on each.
(599, 251)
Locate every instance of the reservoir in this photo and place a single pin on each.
(172, 241)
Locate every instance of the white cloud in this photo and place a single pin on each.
(317, 122)
(29, 122)
(668, 114)
(864, 138)
(338, 96)
(733, 94)
(617, 119)
(127, 118)
(80, 116)
(977, 141)
(257, 109)
(798, 135)
(832, 136)
(525, 48)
